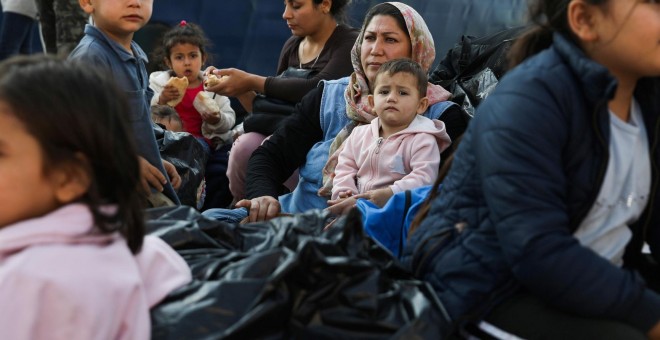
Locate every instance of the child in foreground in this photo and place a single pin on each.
(207, 116)
(74, 260)
(400, 149)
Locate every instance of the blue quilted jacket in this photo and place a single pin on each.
(527, 171)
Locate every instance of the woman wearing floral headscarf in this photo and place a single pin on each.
(391, 30)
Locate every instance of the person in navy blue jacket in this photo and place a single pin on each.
(540, 225)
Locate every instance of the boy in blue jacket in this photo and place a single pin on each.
(109, 44)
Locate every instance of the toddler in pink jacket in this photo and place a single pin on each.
(398, 150)
(74, 259)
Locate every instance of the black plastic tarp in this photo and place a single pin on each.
(288, 279)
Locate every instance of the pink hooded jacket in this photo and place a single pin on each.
(59, 282)
(407, 159)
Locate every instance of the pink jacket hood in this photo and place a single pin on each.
(59, 281)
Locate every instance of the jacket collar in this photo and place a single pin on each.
(116, 47)
(597, 82)
(70, 224)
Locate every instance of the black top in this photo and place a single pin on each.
(334, 62)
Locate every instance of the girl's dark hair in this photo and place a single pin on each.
(337, 9)
(547, 17)
(183, 33)
(79, 119)
(385, 9)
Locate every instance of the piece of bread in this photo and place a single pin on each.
(213, 80)
(181, 84)
(206, 104)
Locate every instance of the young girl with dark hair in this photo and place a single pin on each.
(207, 116)
(540, 225)
(74, 260)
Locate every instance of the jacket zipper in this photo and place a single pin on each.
(374, 164)
(378, 143)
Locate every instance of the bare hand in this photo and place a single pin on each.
(211, 118)
(175, 179)
(168, 94)
(261, 208)
(378, 197)
(150, 177)
(236, 82)
(345, 194)
(341, 206)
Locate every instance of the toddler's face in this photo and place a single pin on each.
(186, 60)
(25, 190)
(396, 100)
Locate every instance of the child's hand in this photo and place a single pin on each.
(211, 118)
(168, 94)
(345, 194)
(379, 196)
(150, 177)
(341, 206)
(175, 179)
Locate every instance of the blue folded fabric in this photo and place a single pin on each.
(389, 225)
(226, 215)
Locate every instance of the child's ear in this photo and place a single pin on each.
(167, 62)
(582, 19)
(423, 105)
(87, 6)
(71, 180)
(370, 99)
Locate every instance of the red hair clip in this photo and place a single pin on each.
(183, 23)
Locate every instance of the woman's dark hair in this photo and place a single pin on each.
(337, 9)
(78, 116)
(547, 17)
(385, 9)
(183, 33)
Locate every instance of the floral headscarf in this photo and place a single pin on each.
(358, 109)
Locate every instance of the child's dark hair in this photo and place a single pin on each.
(405, 65)
(547, 17)
(162, 112)
(79, 119)
(183, 33)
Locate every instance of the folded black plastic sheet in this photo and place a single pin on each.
(288, 279)
(188, 157)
